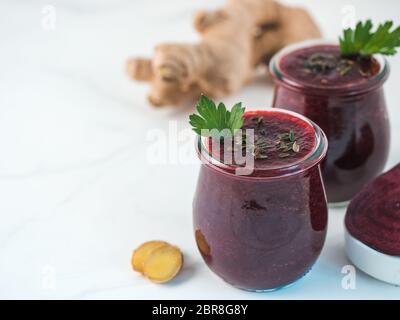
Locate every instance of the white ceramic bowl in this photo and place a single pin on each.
(379, 265)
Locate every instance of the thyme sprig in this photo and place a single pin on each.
(257, 120)
(323, 63)
(285, 144)
(344, 66)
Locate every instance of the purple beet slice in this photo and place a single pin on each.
(373, 216)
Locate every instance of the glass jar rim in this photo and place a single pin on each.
(313, 158)
(372, 83)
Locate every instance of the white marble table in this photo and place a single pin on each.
(77, 192)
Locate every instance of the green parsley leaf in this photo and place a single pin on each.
(211, 117)
(362, 41)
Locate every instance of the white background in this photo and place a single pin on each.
(77, 192)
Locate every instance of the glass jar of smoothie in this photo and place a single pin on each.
(345, 97)
(264, 230)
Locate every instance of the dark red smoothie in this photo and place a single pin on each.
(265, 230)
(344, 96)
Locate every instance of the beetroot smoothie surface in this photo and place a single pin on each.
(273, 124)
(300, 66)
(263, 233)
(268, 125)
(373, 216)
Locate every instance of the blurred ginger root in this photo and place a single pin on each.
(235, 39)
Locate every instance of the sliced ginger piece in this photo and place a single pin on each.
(163, 264)
(140, 255)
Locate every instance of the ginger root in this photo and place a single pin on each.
(235, 39)
(140, 255)
(157, 260)
(163, 264)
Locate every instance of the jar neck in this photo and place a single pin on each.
(250, 171)
(372, 83)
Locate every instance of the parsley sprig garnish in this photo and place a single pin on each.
(216, 120)
(363, 42)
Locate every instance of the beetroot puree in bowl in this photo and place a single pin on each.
(265, 230)
(345, 97)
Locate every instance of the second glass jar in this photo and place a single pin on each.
(353, 116)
